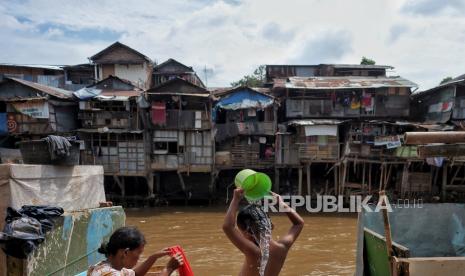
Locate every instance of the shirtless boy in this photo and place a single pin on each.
(245, 238)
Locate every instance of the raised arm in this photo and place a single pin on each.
(296, 220)
(229, 227)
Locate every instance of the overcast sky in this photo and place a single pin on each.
(424, 40)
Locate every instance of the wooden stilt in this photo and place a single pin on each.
(404, 181)
(120, 185)
(344, 174)
(335, 172)
(183, 186)
(363, 179)
(300, 182)
(444, 182)
(150, 183)
(309, 184)
(388, 175)
(381, 178)
(276, 180)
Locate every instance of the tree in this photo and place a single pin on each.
(367, 61)
(446, 79)
(256, 79)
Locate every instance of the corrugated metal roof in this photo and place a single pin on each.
(311, 122)
(41, 66)
(124, 93)
(360, 66)
(119, 44)
(320, 83)
(52, 91)
(204, 95)
(457, 80)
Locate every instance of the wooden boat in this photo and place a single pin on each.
(426, 240)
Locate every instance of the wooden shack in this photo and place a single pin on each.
(112, 128)
(171, 69)
(124, 62)
(312, 99)
(182, 141)
(245, 127)
(31, 110)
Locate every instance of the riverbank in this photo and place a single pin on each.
(327, 245)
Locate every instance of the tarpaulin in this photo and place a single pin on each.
(158, 113)
(70, 187)
(3, 124)
(87, 93)
(245, 99)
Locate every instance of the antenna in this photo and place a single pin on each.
(205, 73)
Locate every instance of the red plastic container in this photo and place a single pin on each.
(185, 269)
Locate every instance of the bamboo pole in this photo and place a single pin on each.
(387, 230)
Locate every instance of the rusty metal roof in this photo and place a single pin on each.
(202, 95)
(123, 93)
(320, 83)
(52, 91)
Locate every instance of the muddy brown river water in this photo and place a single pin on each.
(325, 247)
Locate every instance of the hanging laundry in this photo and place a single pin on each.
(355, 103)
(367, 102)
(346, 101)
(158, 113)
(435, 161)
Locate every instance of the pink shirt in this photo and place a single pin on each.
(104, 268)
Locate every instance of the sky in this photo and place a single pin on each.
(227, 39)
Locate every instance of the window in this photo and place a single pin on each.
(166, 147)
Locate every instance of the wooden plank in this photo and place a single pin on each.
(447, 150)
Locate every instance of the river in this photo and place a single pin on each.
(326, 246)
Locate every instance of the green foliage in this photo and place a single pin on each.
(446, 79)
(367, 61)
(256, 79)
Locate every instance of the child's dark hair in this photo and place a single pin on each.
(251, 219)
(124, 237)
